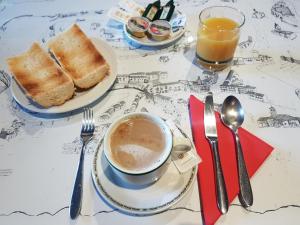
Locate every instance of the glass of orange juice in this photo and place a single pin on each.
(217, 36)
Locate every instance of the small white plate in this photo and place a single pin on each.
(146, 41)
(80, 99)
(140, 200)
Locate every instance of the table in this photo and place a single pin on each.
(39, 153)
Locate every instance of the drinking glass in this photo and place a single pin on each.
(218, 35)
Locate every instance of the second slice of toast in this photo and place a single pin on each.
(79, 57)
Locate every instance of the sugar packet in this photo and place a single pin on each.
(184, 155)
(125, 10)
(131, 7)
(119, 15)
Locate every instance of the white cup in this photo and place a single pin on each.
(156, 169)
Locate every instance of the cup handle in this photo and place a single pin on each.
(181, 144)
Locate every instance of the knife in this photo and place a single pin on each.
(212, 136)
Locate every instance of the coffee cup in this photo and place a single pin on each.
(138, 147)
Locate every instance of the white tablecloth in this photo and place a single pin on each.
(39, 153)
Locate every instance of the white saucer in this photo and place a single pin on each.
(80, 99)
(140, 200)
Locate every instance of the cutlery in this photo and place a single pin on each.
(212, 136)
(87, 131)
(232, 115)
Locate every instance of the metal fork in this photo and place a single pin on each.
(87, 131)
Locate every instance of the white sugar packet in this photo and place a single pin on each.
(119, 15)
(126, 10)
(184, 153)
(131, 7)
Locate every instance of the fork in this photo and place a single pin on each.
(87, 131)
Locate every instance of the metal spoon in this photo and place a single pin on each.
(232, 115)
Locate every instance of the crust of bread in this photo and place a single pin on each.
(79, 57)
(41, 78)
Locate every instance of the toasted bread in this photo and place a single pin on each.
(41, 78)
(79, 57)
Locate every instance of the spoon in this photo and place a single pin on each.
(232, 115)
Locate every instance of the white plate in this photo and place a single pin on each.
(81, 99)
(137, 200)
(174, 36)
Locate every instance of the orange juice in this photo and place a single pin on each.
(217, 40)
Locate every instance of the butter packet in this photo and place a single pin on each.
(184, 155)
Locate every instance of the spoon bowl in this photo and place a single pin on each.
(232, 115)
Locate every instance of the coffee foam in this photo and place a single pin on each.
(134, 157)
(137, 143)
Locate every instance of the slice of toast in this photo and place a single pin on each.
(79, 57)
(40, 77)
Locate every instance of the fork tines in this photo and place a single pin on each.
(88, 120)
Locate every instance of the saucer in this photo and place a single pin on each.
(140, 200)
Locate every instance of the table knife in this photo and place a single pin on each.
(212, 136)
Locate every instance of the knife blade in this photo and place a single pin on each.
(210, 128)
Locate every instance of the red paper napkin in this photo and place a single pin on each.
(255, 152)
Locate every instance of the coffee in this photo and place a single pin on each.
(137, 143)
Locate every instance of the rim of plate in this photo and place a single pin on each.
(133, 210)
